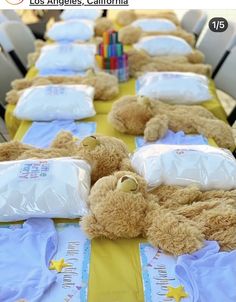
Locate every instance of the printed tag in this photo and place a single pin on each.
(55, 90)
(72, 282)
(158, 272)
(34, 170)
(65, 48)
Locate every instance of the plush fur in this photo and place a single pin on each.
(121, 207)
(126, 17)
(140, 62)
(105, 154)
(152, 118)
(129, 35)
(106, 85)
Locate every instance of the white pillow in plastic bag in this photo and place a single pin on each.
(90, 14)
(174, 87)
(75, 57)
(71, 30)
(154, 25)
(205, 166)
(52, 188)
(56, 102)
(164, 46)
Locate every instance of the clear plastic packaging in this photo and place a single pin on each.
(205, 166)
(71, 30)
(56, 102)
(154, 25)
(174, 87)
(90, 14)
(71, 56)
(164, 46)
(52, 188)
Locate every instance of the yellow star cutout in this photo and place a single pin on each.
(176, 292)
(58, 265)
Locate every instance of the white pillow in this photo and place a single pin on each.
(174, 87)
(75, 57)
(205, 166)
(154, 25)
(164, 46)
(90, 14)
(56, 102)
(52, 188)
(71, 30)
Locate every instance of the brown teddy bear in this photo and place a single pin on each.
(106, 85)
(121, 207)
(141, 116)
(105, 154)
(126, 17)
(129, 35)
(140, 62)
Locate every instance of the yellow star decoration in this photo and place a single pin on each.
(58, 265)
(176, 292)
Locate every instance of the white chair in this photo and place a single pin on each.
(20, 37)
(193, 21)
(225, 79)
(215, 45)
(8, 73)
(11, 15)
(3, 18)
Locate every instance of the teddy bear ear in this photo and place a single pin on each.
(90, 73)
(128, 183)
(90, 142)
(143, 100)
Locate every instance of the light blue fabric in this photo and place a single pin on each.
(41, 134)
(172, 138)
(208, 275)
(25, 255)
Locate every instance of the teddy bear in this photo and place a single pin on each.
(121, 207)
(129, 35)
(126, 17)
(105, 154)
(106, 85)
(140, 62)
(140, 115)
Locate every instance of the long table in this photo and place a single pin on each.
(115, 269)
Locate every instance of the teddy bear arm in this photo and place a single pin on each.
(93, 228)
(183, 196)
(218, 130)
(156, 127)
(173, 233)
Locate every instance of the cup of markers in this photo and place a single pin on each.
(111, 57)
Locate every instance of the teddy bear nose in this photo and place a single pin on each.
(127, 183)
(90, 142)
